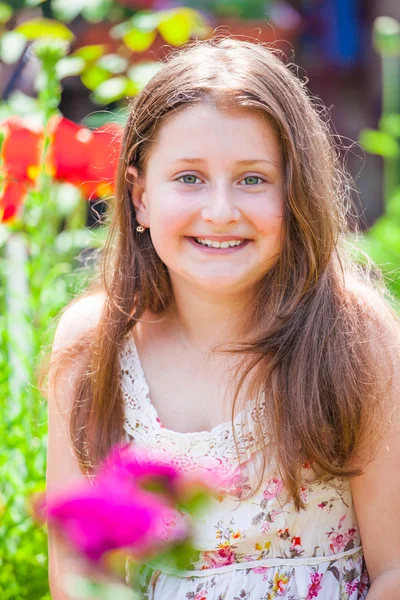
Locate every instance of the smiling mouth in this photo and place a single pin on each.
(227, 245)
(214, 244)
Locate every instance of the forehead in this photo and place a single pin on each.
(207, 131)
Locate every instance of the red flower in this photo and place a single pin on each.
(84, 157)
(22, 149)
(69, 150)
(21, 155)
(102, 166)
(11, 199)
(296, 541)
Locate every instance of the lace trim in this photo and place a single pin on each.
(142, 422)
(271, 562)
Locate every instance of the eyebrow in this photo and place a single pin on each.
(239, 162)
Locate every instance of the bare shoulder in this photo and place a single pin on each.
(79, 317)
(382, 336)
(381, 315)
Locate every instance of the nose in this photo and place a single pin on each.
(220, 207)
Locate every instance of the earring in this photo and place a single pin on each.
(140, 229)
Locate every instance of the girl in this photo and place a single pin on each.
(227, 327)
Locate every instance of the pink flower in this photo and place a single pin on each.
(315, 586)
(352, 586)
(131, 505)
(351, 534)
(338, 542)
(274, 487)
(261, 570)
(219, 558)
(114, 514)
(364, 583)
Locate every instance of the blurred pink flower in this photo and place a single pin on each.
(132, 504)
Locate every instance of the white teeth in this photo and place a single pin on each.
(215, 244)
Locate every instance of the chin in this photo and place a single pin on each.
(218, 286)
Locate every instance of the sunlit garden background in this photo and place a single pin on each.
(68, 69)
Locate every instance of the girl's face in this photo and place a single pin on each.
(212, 196)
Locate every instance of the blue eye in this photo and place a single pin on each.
(253, 180)
(189, 178)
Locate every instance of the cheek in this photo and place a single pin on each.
(169, 217)
(268, 214)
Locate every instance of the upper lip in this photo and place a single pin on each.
(220, 238)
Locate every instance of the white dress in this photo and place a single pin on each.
(260, 549)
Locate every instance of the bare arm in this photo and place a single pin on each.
(62, 466)
(376, 493)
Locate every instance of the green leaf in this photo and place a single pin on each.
(66, 10)
(69, 66)
(91, 52)
(390, 123)
(12, 45)
(139, 41)
(93, 76)
(4, 234)
(112, 90)
(379, 142)
(393, 205)
(97, 10)
(49, 28)
(386, 36)
(177, 26)
(113, 63)
(142, 73)
(50, 51)
(147, 21)
(6, 12)
(388, 232)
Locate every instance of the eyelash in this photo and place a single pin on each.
(262, 180)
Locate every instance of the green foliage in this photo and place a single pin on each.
(380, 142)
(6, 12)
(49, 236)
(386, 36)
(44, 28)
(105, 74)
(39, 270)
(382, 241)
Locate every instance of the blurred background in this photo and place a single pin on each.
(67, 71)
(330, 40)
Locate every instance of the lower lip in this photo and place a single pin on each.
(211, 250)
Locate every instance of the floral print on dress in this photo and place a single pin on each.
(340, 539)
(251, 546)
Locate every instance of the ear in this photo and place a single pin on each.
(138, 195)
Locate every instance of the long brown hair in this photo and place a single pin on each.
(309, 347)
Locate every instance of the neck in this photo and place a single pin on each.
(206, 319)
